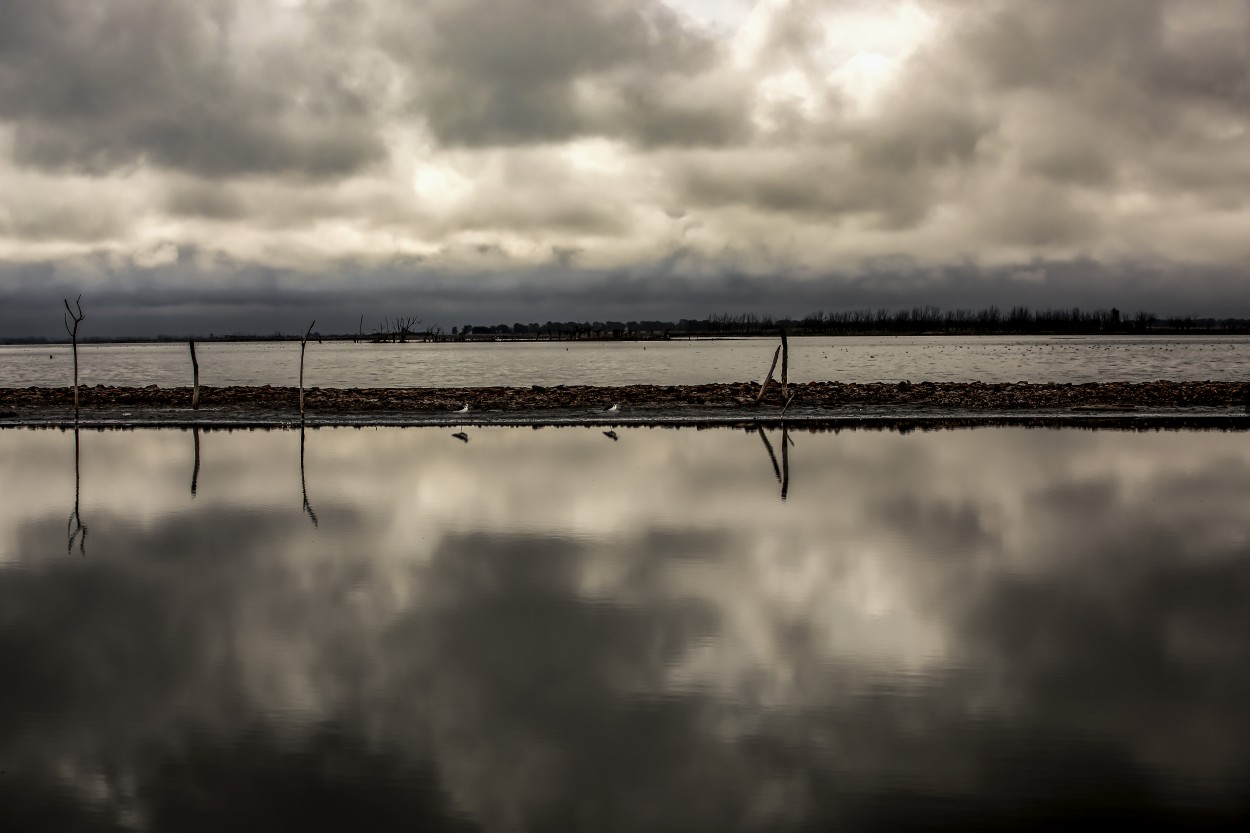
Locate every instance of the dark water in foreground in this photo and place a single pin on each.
(554, 630)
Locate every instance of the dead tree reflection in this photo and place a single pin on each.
(781, 472)
(786, 442)
(303, 483)
(772, 455)
(75, 529)
(195, 471)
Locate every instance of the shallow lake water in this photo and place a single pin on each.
(855, 359)
(559, 629)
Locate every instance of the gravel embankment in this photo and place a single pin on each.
(636, 403)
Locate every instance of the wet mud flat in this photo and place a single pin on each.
(971, 403)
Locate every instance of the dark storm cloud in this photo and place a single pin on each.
(80, 221)
(101, 87)
(1026, 118)
(814, 185)
(1161, 49)
(530, 71)
(1146, 85)
(1103, 146)
(186, 297)
(201, 199)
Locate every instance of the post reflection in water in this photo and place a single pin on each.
(195, 469)
(75, 529)
(303, 481)
(994, 628)
(781, 472)
(786, 443)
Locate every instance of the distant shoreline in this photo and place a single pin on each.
(418, 341)
(810, 402)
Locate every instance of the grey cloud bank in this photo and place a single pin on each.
(197, 166)
(186, 302)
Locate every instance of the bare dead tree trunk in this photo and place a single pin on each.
(769, 377)
(195, 380)
(785, 365)
(302, 345)
(73, 334)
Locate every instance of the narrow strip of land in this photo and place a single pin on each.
(635, 404)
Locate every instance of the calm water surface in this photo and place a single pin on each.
(935, 359)
(555, 630)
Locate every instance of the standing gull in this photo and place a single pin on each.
(611, 409)
(460, 435)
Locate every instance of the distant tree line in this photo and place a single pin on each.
(917, 320)
(926, 320)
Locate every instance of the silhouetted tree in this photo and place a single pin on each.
(302, 345)
(73, 334)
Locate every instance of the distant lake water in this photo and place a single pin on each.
(560, 630)
(856, 359)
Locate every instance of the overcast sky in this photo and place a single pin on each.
(220, 165)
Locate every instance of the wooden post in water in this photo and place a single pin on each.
(195, 378)
(785, 365)
(769, 377)
(73, 334)
(302, 345)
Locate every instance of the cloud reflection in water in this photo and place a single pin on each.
(544, 630)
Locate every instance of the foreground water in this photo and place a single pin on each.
(859, 359)
(561, 630)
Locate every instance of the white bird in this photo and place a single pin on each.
(464, 410)
(460, 435)
(611, 435)
(613, 408)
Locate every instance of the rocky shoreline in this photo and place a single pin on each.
(809, 398)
